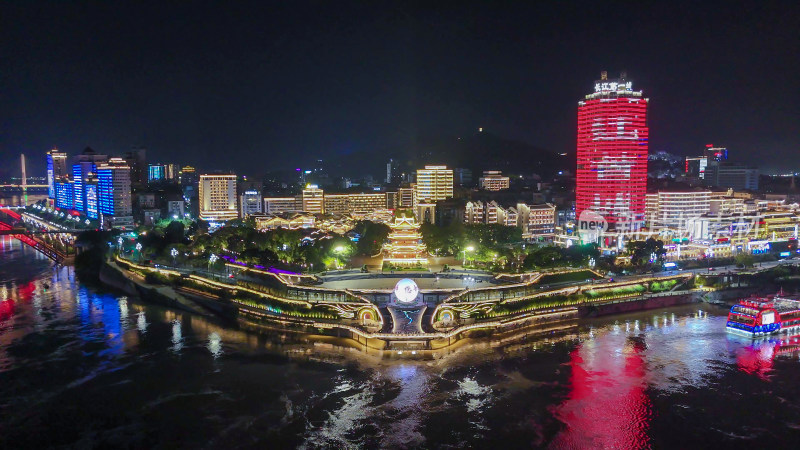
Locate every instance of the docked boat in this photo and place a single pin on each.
(760, 316)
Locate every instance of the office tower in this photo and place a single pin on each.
(92, 202)
(462, 177)
(493, 180)
(612, 153)
(64, 193)
(313, 199)
(434, 183)
(171, 172)
(56, 168)
(393, 174)
(114, 194)
(731, 175)
(83, 167)
(250, 203)
(136, 159)
(156, 173)
(187, 176)
(217, 197)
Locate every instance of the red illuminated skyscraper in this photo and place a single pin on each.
(612, 153)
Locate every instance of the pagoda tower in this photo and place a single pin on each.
(405, 247)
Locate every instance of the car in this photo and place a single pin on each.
(711, 269)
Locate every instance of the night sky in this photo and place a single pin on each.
(254, 87)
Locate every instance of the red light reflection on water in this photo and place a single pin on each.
(758, 358)
(607, 406)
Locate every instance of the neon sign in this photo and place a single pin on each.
(613, 86)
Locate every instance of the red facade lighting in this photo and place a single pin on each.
(612, 154)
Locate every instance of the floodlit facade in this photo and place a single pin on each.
(434, 183)
(337, 204)
(217, 197)
(405, 247)
(674, 209)
(612, 153)
(493, 180)
(313, 199)
(361, 204)
(405, 197)
(279, 205)
(250, 203)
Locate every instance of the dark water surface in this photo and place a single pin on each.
(81, 367)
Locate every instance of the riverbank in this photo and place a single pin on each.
(355, 319)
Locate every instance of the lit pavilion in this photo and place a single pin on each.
(405, 247)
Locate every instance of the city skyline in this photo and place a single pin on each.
(387, 78)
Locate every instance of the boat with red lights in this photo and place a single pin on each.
(759, 316)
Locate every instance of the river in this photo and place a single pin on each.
(82, 367)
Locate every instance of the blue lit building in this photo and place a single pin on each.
(156, 172)
(56, 168)
(92, 206)
(64, 194)
(84, 165)
(114, 194)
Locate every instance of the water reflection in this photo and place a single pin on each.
(177, 336)
(597, 383)
(214, 344)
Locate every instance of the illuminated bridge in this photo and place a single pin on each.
(25, 236)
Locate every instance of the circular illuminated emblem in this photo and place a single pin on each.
(406, 291)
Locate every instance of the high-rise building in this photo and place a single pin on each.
(92, 201)
(64, 193)
(155, 173)
(114, 194)
(56, 168)
(187, 176)
(250, 203)
(393, 174)
(493, 180)
(171, 172)
(217, 197)
(434, 183)
(462, 177)
(612, 153)
(136, 159)
(83, 167)
(313, 199)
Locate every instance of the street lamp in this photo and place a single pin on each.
(338, 250)
(119, 245)
(468, 249)
(139, 250)
(211, 260)
(174, 253)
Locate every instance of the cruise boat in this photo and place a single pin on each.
(760, 316)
